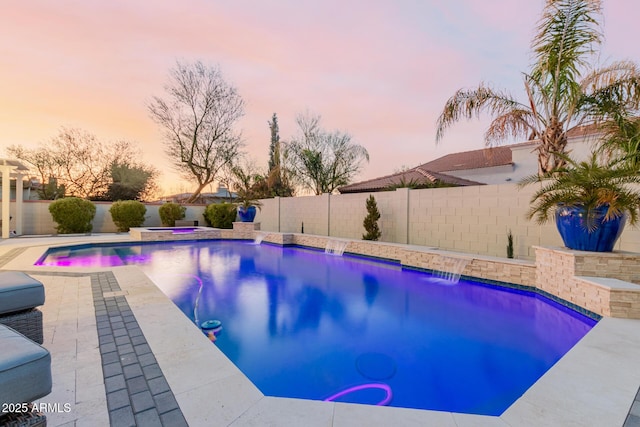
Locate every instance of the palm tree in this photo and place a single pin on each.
(622, 140)
(561, 90)
(590, 185)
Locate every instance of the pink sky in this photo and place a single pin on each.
(378, 69)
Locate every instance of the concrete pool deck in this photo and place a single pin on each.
(595, 384)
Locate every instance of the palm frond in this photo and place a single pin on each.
(567, 34)
(467, 103)
(515, 123)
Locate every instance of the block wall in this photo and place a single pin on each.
(37, 219)
(312, 211)
(473, 220)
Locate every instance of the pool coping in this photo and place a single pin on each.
(595, 383)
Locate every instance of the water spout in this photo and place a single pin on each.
(260, 236)
(335, 247)
(451, 268)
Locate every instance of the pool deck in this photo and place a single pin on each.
(168, 372)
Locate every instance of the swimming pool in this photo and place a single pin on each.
(300, 323)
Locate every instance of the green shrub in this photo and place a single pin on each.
(73, 215)
(127, 214)
(220, 215)
(370, 222)
(509, 244)
(170, 212)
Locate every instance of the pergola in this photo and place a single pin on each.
(12, 169)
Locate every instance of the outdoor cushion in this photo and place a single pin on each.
(19, 291)
(25, 368)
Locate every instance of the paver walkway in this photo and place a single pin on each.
(103, 368)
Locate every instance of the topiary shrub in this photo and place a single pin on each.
(73, 215)
(370, 222)
(220, 215)
(170, 212)
(127, 214)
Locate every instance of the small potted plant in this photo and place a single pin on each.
(247, 198)
(590, 201)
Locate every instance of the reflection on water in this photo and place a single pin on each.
(303, 324)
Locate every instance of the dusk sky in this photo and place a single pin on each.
(378, 69)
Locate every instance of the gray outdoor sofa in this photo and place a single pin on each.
(25, 366)
(20, 294)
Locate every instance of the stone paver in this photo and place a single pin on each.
(131, 395)
(130, 388)
(86, 328)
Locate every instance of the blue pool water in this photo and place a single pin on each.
(300, 323)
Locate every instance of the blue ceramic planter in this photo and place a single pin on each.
(572, 225)
(248, 214)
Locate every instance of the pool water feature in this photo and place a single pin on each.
(175, 230)
(335, 247)
(300, 323)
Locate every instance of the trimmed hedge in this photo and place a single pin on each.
(170, 212)
(73, 215)
(127, 214)
(220, 215)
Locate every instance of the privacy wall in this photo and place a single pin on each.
(465, 219)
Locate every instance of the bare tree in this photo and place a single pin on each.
(198, 118)
(323, 161)
(80, 165)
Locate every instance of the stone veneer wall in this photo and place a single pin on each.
(598, 282)
(621, 265)
(557, 272)
(201, 233)
(483, 267)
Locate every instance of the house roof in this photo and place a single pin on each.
(415, 176)
(475, 159)
(494, 156)
(221, 194)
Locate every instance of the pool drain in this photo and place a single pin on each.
(376, 366)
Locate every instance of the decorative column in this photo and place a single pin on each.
(6, 199)
(19, 199)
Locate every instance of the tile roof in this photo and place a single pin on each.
(415, 176)
(475, 159)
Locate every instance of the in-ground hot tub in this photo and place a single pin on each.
(174, 233)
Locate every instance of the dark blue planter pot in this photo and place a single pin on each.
(572, 225)
(248, 214)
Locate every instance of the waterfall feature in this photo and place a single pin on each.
(451, 268)
(260, 236)
(336, 247)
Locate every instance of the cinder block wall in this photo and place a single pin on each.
(37, 219)
(313, 211)
(268, 215)
(473, 220)
(477, 220)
